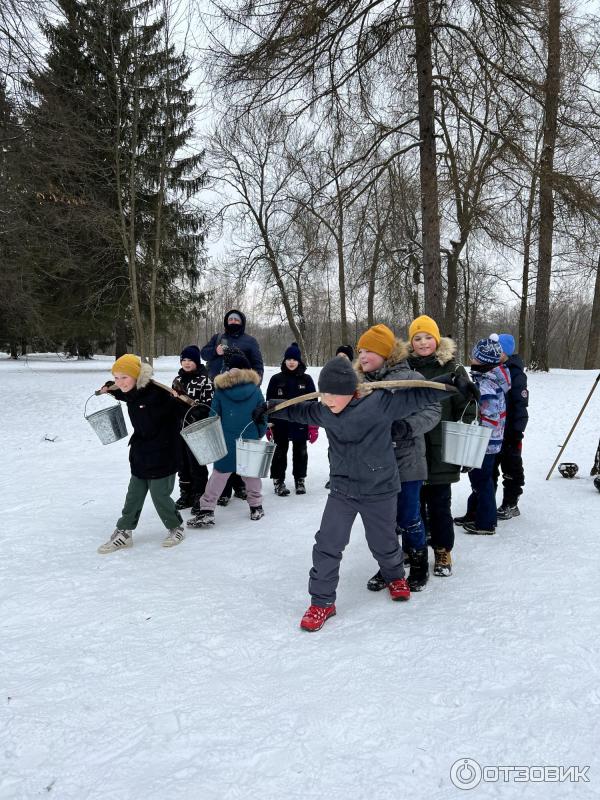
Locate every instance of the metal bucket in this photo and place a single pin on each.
(253, 457)
(108, 423)
(464, 444)
(205, 439)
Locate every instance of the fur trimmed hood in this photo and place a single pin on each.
(446, 351)
(236, 377)
(145, 376)
(399, 353)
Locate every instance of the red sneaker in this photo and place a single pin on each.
(399, 590)
(316, 616)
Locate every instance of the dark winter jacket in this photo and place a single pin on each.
(156, 418)
(407, 434)
(236, 396)
(361, 454)
(232, 336)
(199, 387)
(441, 363)
(286, 385)
(517, 399)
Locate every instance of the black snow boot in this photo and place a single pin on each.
(465, 519)
(419, 569)
(508, 511)
(186, 498)
(196, 507)
(376, 583)
(280, 488)
(300, 487)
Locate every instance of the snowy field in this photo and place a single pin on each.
(156, 674)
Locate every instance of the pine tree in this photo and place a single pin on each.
(19, 312)
(108, 119)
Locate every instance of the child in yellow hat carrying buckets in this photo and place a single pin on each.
(156, 419)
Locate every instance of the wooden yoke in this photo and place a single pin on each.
(363, 389)
(183, 397)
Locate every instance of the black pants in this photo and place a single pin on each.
(299, 458)
(510, 461)
(192, 475)
(436, 513)
(234, 484)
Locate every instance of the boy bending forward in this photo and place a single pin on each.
(364, 476)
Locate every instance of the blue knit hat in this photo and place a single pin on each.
(193, 353)
(507, 343)
(488, 351)
(293, 351)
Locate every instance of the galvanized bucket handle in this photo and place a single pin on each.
(241, 436)
(100, 409)
(198, 403)
(477, 420)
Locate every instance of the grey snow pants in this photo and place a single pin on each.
(379, 519)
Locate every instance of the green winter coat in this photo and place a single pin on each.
(441, 363)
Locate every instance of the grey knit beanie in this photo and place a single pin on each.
(338, 377)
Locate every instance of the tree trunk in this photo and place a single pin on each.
(430, 217)
(539, 354)
(523, 348)
(339, 242)
(416, 271)
(121, 344)
(275, 271)
(373, 270)
(592, 354)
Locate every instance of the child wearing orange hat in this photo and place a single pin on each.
(156, 418)
(434, 355)
(381, 356)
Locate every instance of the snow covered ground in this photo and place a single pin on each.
(182, 674)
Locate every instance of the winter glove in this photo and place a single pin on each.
(178, 386)
(105, 387)
(313, 433)
(259, 415)
(401, 430)
(269, 434)
(466, 387)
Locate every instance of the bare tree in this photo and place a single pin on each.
(592, 354)
(539, 354)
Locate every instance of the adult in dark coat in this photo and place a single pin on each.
(233, 337)
(291, 382)
(510, 457)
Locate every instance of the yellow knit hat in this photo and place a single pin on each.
(424, 324)
(128, 365)
(378, 339)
